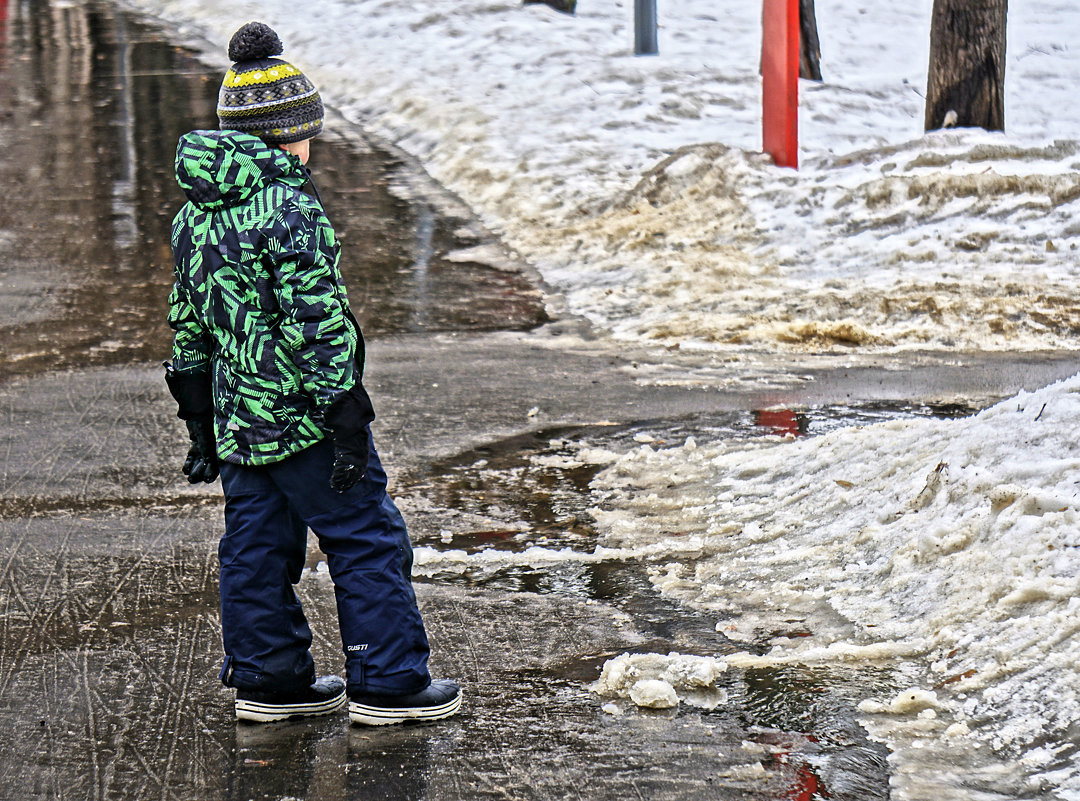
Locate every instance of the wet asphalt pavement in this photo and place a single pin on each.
(109, 630)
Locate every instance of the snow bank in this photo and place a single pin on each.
(596, 166)
(953, 545)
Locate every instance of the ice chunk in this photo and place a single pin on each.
(957, 730)
(909, 702)
(691, 679)
(654, 693)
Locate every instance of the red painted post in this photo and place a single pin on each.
(780, 81)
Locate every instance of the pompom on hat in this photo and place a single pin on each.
(266, 96)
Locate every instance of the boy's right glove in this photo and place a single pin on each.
(348, 418)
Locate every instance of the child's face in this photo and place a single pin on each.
(301, 150)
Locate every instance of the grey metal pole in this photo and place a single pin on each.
(645, 28)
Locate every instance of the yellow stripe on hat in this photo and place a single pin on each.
(277, 72)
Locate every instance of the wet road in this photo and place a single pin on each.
(109, 633)
(91, 106)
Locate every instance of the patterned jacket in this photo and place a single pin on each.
(258, 298)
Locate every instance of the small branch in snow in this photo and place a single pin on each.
(1043, 409)
(913, 89)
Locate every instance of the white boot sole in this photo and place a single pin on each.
(268, 713)
(383, 716)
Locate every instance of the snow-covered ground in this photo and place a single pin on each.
(596, 165)
(633, 185)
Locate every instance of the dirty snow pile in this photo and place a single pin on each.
(947, 548)
(633, 184)
(660, 682)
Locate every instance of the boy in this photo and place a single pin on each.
(267, 368)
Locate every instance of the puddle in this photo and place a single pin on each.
(91, 106)
(802, 699)
(803, 717)
(533, 489)
(814, 773)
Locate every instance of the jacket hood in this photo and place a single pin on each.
(219, 169)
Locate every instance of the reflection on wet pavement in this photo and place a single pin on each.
(91, 106)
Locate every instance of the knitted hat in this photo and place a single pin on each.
(266, 96)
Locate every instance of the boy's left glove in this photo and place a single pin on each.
(201, 463)
(195, 406)
(348, 418)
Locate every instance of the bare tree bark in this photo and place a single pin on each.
(809, 46)
(966, 84)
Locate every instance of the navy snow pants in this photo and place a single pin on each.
(268, 511)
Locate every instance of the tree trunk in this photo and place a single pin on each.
(809, 47)
(966, 84)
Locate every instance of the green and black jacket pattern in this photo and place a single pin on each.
(258, 298)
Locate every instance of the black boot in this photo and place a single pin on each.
(440, 699)
(326, 695)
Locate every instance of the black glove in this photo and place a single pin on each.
(348, 418)
(195, 406)
(201, 463)
(193, 392)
